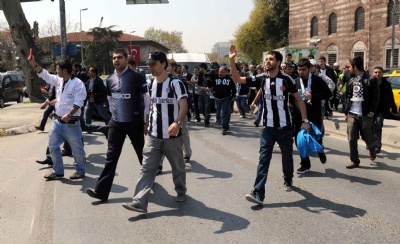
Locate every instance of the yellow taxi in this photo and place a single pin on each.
(394, 79)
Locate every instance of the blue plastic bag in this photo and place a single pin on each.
(307, 142)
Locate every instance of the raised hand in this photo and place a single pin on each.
(232, 52)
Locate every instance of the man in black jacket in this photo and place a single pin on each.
(362, 93)
(96, 97)
(386, 105)
(328, 71)
(313, 90)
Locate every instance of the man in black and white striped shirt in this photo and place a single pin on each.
(275, 88)
(168, 104)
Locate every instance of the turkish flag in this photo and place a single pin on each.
(134, 52)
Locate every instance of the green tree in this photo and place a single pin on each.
(266, 29)
(172, 40)
(105, 40)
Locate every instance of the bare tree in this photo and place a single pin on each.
(23, 39)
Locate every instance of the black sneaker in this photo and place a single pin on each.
(53, 176)
(47, 161)
(224, 132)
(254, 198)
(377, 150)
(181, 197)
(288, 185)
(256, 124)
(322, 157)
(134, 206)
(94, 194)
(39, 128)
(76, 176)
(302, 170)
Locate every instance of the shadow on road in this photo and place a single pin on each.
(333, 174)
(191, 207)
(317, 205)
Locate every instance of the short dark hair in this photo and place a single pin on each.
(278, 55)
(322, 58)
(95, 69)
(203, 65)
(173, 64)
(65, 65)
(310, 56)
(304, 62)
(289, 54)
(357, 62)
(122, 51)
(378, 67)
(77, 65)
(186, 67)
(132, 62)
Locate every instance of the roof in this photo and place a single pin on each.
(76, 37)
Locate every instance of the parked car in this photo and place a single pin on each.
(11, 87)
(394, 79)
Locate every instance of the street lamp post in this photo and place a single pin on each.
(80, 23)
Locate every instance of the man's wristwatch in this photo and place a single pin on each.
(305, 121)
(178, 122)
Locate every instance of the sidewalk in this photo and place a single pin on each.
(20, 118)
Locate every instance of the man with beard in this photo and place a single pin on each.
(313, 90)
(275, 88)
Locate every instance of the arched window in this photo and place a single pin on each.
(359, 19)
(332, 24)
(389, 20)
(314, 27)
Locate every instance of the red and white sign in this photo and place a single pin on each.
(134, 52)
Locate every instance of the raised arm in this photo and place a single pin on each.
(234, 72)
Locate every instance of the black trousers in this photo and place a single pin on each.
(116, 138)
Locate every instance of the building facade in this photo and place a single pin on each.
(342, 29)
(222, 48)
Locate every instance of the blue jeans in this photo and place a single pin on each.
(224, 111)
(46, 115)
(71, 133)
(379, 118)
(204, 107)
(241, 104)
(269, 136)
(260, 111)
(101, 110)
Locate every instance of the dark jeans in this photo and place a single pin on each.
(241, 104)
(101, 110)
(357, 125)
(269, 136)
(116, 138)
(260, 111)
(224, 111)
(46, 115)
(204, 107)
(378, 119)
(196, 106)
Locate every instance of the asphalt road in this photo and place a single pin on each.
(331, 204)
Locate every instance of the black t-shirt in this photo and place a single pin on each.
(223, 87)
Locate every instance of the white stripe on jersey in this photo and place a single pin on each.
(280, 103)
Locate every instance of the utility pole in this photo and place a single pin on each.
(63, 31)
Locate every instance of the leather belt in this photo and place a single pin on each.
(71, 121)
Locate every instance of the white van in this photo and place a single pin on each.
(190, 59)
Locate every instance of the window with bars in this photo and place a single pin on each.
(389, 20)
(332, 57)
(332, 24)
(359, 19)
(314, 27)
(358, 54)
(395, 58)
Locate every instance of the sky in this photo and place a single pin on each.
(202, 22)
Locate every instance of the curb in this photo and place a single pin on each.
(340, 129)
